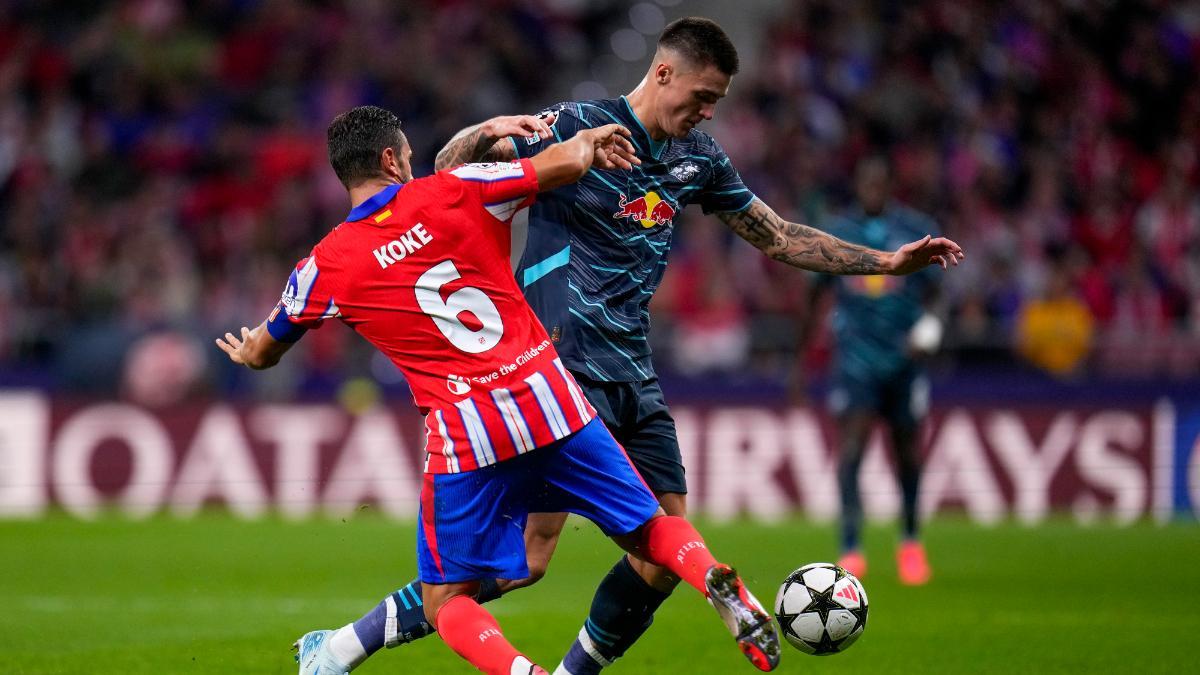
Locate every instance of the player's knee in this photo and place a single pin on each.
(435, 596)
(537, 571)
(431, 610)
(538, 565)
(659, 578)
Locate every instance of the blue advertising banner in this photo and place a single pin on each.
(1186, 478)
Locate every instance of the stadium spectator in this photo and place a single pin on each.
(129, 125)
(1055, 332)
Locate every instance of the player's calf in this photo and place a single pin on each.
(469, 630)
(673, 543)
(622, 610)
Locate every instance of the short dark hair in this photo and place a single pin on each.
(357, 137)
(701, 41)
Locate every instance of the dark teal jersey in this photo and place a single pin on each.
(597, 249)
(874, 314)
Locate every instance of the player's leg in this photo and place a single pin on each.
(398, 618)
(658, 577)
(452, 556)
(541, 538)
(592, 476)
(853, 403)
(624, 604)
(908, 473)
(471, 631)
(854, 427)
(673, 542)
(907, 409)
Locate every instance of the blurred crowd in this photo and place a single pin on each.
(162, 166)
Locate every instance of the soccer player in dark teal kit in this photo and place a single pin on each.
(596, 253)
(884, 332)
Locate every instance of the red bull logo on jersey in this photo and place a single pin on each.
(649, 210)
(874, 285)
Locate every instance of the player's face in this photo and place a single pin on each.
(872, 186)
(690, 97)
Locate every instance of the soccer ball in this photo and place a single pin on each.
(821, 608)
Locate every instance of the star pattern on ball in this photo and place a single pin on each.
(821, 606)
(821, 603)
(785, 618)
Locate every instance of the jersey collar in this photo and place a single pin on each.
(374, 203)
(655, 147)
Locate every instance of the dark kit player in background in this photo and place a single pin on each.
(884, 330)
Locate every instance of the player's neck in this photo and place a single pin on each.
(641, 100)
(364, 191)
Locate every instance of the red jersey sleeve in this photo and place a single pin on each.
(504, 187)
(305, 304)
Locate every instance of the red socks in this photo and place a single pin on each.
(474, 635)
(672, 542)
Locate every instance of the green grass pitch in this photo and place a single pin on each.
(216, 595)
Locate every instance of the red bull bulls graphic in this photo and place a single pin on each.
(649, 210)
(874, 286)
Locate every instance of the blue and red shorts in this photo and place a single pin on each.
(472, 524)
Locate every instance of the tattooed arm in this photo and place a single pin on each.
(808, 248)
(481, 143)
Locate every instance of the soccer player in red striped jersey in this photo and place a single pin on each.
(420, 269)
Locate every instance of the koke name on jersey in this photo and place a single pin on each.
(409, 242)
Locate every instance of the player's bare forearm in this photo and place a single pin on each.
(482, 142)
(473, 144)
(802, 246)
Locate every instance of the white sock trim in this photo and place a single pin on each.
(346, 647)
(391, 626)
(521, 666)
(585, 641)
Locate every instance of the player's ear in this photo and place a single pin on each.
(663, 73)
(389, 163)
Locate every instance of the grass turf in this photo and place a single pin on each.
(217, 595)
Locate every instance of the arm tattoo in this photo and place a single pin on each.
(473, 145)
(802, 246)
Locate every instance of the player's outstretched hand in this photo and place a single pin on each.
(924, 252)
(614, 150)
(522, 126)
(232, 346)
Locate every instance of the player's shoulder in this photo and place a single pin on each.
(594, 112)
(328, 253)
(702, 143)
(567, 111)
(436, 186)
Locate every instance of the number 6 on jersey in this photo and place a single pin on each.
(445, 312)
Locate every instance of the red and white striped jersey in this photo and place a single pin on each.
(422, 272)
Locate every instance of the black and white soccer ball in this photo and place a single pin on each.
(821, 608)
